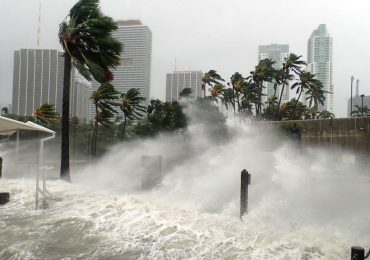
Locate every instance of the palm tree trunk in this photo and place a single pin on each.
(123, 129)
(64, 163)
(95, 133)
(281, 96)
(95, 138)
(300, 93)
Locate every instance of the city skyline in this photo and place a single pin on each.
(134, 70)
(227, 43)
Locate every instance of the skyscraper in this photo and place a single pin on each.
(319, 62)
(178, 80)
(277, 53)
(135, 67)
(38, 78)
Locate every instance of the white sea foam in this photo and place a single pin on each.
(302, 204)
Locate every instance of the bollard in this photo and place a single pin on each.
(1, 166)
(4, 197)
(357, 253)
(245, 181)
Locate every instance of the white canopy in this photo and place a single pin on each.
(9, 126)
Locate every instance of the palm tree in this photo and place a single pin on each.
(216, 91)
(359, 111)
(130, 105)
(102, 99)
(46, 114)
(263, 72)
(292, 64)
(311, 113)
(186, 92)
(228, 97)
(325, 114)
(211, 77)
(315, 94)
(292, 110)
(4, 111)
(237, 82)
(86, 37)
(306, 82)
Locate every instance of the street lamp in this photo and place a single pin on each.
(362, 104)
(352, 78)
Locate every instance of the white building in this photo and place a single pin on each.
(38, 79)
(319, 61)
(178, 80)
(276, 53)
(134, 70)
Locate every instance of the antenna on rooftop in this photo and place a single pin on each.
(38, 27)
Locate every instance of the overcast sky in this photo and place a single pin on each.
(208, 34)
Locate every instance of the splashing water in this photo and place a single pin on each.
(302, 204)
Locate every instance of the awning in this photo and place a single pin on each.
(9, 126)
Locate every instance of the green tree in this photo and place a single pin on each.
(216, 91)
(291, 65)
(86, 37)
(325, 114)
(211, 77)
(103, 100)
(264, 72)
(186, 92)
(292, 110)
(306, 82)
(315, 94)
(359, 111)
(4, 111)
(46, 114)
(162, 117)
(131, 106)
(237, 83)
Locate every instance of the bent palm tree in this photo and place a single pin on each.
(102, 99)
(211, 77)
(86, 37)
(316, 94)
(46, 114)
(130, 105)
(306, 81)
(186, 92)
(291, 64)
(264, 72)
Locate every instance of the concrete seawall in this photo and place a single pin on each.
(347, 133)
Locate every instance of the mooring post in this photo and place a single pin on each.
(4, 197)
(1, 166)
(357, 253)
(245, 181)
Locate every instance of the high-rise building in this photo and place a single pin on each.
(80, 96)
(276, 53)
(357, 101)
(319, 62)
(135, 67)
(38, 78)
(178, 80)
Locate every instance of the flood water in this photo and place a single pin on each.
(302, 205)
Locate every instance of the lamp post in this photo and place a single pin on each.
(352, 78)
(362, 105)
